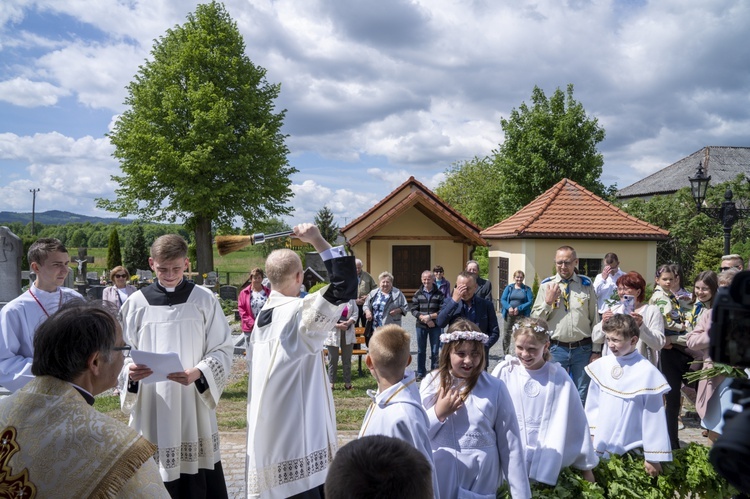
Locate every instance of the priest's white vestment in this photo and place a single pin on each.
(291, 421)
(551, 419)
(625, 408)
(180, 420)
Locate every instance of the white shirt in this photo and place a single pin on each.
(606, 288)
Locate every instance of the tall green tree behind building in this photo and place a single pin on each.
(328, 228)
(551, 139)
(200, 140)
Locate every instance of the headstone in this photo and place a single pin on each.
(11, 252)
(69, 280)
(228, 293)
(95, 292)
(314, 262)
(311, 278)
(212, 279)
(144, 275)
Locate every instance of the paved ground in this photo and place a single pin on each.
(233, 444)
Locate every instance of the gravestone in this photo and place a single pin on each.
(92, 278)
(311, 278)
(95, 292)
(69, 280)
(144, 275)
(11, 251)
(212, 279)
(228, 293)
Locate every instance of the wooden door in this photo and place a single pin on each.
(503, 273)
(408, 264)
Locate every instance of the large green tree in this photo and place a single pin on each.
(473, 187)
(200, 139)
(136, 252)
(550, 140)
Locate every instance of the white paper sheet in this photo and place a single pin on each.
(160, 363)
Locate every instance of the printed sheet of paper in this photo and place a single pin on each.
(161, 363)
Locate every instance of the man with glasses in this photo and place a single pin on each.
(731, 262)
(58, 444)
(568, 303)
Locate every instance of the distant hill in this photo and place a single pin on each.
(57, 217)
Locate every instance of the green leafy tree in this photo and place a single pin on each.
(474, 187)
(114, 254)
(200, 139)
(328, 228)
(550, 140)
(136, 252)
(78, 239)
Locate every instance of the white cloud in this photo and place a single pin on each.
(26, 93)
(346, 204)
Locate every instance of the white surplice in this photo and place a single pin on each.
(625, 408)
(551, 419)
(19, 319)
(397, 412)
(179, 419)
(291, 420)
(479, 445)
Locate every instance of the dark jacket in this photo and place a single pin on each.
(426, 303)
(484, 290)
(485, 315)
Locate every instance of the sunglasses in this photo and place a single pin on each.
(724, 269)
(117, 276)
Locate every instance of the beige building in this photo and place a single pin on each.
(409, 231)
(568, 214)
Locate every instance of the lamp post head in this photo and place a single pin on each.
(699, 186)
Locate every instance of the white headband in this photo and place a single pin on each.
(537, 328)
(464, 335)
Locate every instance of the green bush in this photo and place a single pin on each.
(690, 474)
(317, 287)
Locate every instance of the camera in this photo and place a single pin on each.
(730, 344)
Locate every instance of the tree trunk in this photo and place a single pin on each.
(203, 248)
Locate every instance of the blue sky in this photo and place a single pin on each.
(378, 91)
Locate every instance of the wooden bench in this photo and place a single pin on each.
(359, 351)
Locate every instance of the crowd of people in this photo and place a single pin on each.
(593, 368)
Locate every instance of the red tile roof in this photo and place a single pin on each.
(428, 203)
(567, 210)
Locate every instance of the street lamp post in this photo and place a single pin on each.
(727, 214)
(33, 210)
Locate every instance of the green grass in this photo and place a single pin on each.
(231, 413)
(238, 264)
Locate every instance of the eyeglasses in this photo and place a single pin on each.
(125, 350)
(118, 276)
(724, 269)
(564, 263)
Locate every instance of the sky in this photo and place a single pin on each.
(377, 91)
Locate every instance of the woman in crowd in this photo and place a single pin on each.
(516, 301)
(441, 282)
(648, 317)
(251, 300)
(386, 304)
(342, 337)
(120, 289)
(713, 396)
(675, 358)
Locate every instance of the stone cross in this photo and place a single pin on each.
(11, 253)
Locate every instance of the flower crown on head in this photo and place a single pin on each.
(537, 327)
(464, 335)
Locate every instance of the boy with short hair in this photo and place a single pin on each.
(359, 470)
(624, 406)
(178, 415)
(396, 409)
(19, 319)
(291, 421)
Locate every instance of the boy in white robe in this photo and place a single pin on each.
(19, 318)
(291, 421)
(179, 414)
(624, 406)
(396, 409)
